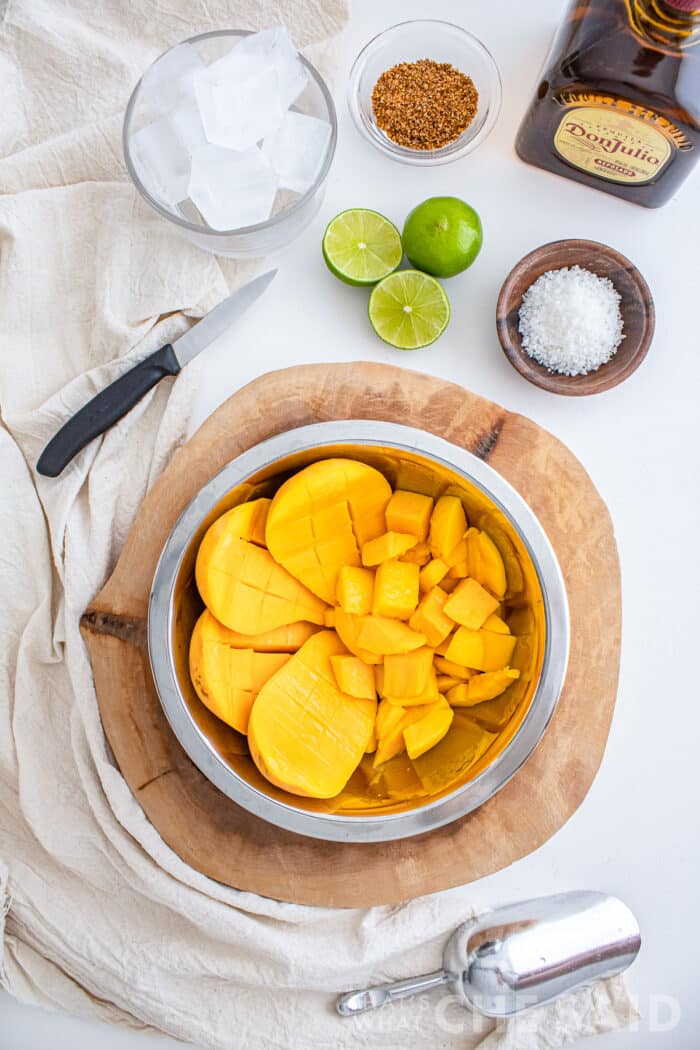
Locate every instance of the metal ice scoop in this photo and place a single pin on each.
(523, 955)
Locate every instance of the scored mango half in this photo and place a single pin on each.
(226, 678)
(306, 736)
(321, 517)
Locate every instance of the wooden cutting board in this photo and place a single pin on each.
(225, 842)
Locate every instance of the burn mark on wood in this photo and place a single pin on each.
(487, 441)
(127, 628)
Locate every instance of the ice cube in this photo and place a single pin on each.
(238, 112)
(273, 47)
(170, 78)
(232, 189)
(162, 152)
(297, 149)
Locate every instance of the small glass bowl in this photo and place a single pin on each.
(441, 42)
(285, 224)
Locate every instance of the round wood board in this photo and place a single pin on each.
(223, 841)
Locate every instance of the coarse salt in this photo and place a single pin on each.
(570, 321)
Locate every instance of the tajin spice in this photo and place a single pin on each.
(424, 104)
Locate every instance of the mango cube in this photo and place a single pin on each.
(492, 571)
(388, 545)
(355, 589)
(429, 693)
(449, 583)
(457, 555)
(383, 636)
(445, 666)
(418, 555)
(432, 573)
(490, 684)
(388, 717)
(354, 677)
(347, 628)
(485, 562)
(429, 730)
(409, 512)
(469, 604)
(445, 682)
(481, 650)
(448, 523)
(430, 618)
(329, 618)
(407, 674)
(495, 623)
(395, 590)
(391, 742)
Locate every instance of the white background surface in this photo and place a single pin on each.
(636, 834)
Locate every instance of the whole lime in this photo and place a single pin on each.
(442, 236)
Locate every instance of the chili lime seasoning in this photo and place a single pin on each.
(424, 104)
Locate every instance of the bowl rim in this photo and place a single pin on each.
(379, 827)
(274, 220)
(451, 150)
(557, 382)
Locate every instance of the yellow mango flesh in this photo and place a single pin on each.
(485, 562)
(384, 636)
(445, 666)
(388, 717)
(430, 618)
(395, 590)
(305, 735)
(348, 628)
(453, 756)
(448, 524)
(321, 517)
(227, 679)
(391, 742)
(407, 674)
(431, 574)
(489, 685)
(354, 591)
(470, 604)
(429, 730)
(409, 512)
(427, 694)
(285, 639)
(492, 570)
(445, 682)
(418, 555)
(245, 588)
(388, 545)
(495, 623)
(354, 677)
(481, 650)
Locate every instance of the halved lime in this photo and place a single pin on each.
(361, 246)
(409, 309)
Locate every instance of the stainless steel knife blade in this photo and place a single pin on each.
(204, 332)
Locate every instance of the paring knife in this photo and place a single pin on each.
(107, 407)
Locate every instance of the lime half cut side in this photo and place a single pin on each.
(409, 309)
(361, 246)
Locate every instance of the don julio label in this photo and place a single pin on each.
(612, 145)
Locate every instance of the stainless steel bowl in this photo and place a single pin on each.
(174, 606)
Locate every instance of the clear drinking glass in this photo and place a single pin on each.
(289, 219)
(441, 42)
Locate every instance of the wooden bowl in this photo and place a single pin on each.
(636, 307)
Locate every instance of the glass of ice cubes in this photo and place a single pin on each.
(230, 136)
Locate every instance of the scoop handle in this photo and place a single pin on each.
(361, 1000)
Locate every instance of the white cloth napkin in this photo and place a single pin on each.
(97, 915)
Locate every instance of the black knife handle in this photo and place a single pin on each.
(105, 409)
